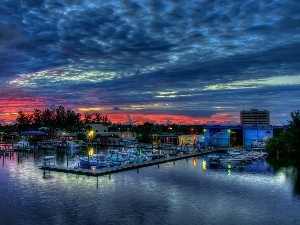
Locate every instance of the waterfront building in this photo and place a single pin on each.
(255, 117)
(180, 139)
(223, 136)
(102, 130)
(238, 136)
(95, 128)
(122, 138)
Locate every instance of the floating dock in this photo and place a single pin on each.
(117, 169)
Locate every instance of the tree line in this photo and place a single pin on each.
(58, 118)
(287, 141)
(70, 121)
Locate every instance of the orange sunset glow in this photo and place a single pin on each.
(10, 115)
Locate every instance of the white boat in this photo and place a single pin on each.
(213, 156)
(234, 152)
(256, 155)
(97, 160)
(132, 157)
(259, 143)
(22, 144)
(153, 154)
(73, 146)
(232, 160)
(48, 160)
(115, 155)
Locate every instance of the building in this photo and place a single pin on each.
(255, 117)
(179, 139)
(94, 130)
(238, 136)
(102, 130)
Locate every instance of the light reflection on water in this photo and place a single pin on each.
(172, 193)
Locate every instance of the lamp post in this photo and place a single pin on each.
(67, 154)
(229, 132)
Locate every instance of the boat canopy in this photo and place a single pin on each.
(33, 133)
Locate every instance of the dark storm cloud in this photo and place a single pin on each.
(87, 32)
(150, 46)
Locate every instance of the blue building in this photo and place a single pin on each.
(241, 136)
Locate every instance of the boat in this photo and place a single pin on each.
(234, 152)
(114, 155)
(235, 160)
(212, 156)
(153, 154)
(97, 160)
(22, 144)
(256, 155)
(48, 160)
(132, 157)
(73, 146)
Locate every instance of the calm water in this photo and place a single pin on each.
(184, 192)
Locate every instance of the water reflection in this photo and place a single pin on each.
(288, 169)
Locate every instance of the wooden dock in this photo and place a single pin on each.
(117, 169)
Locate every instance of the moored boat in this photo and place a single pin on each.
(22, 144)
(153, 154)
(97, 160)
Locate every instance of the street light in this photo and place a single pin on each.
(229, 131)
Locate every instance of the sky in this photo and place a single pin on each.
(159, 61)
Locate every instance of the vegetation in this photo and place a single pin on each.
(287, 142)
(51, 121)
(70, 121)
(59, 118)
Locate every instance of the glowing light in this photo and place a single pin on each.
(194, 161)
(229, 171)
(91, 134)
(91, 151)
(204, 165)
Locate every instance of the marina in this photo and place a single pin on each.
(109, 170)
(116, 161)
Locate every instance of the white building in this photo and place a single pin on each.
(255, 117)
(96, 128)
(100, 129)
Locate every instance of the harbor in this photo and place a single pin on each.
(90, 160)
(212, 159)
(48, 164)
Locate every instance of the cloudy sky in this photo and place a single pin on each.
(178, 61)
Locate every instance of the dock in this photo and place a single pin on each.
(110, 170)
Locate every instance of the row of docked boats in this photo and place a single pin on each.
(234, 158)
(70, 145)
(115, 157)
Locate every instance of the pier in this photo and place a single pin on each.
(121, 168)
